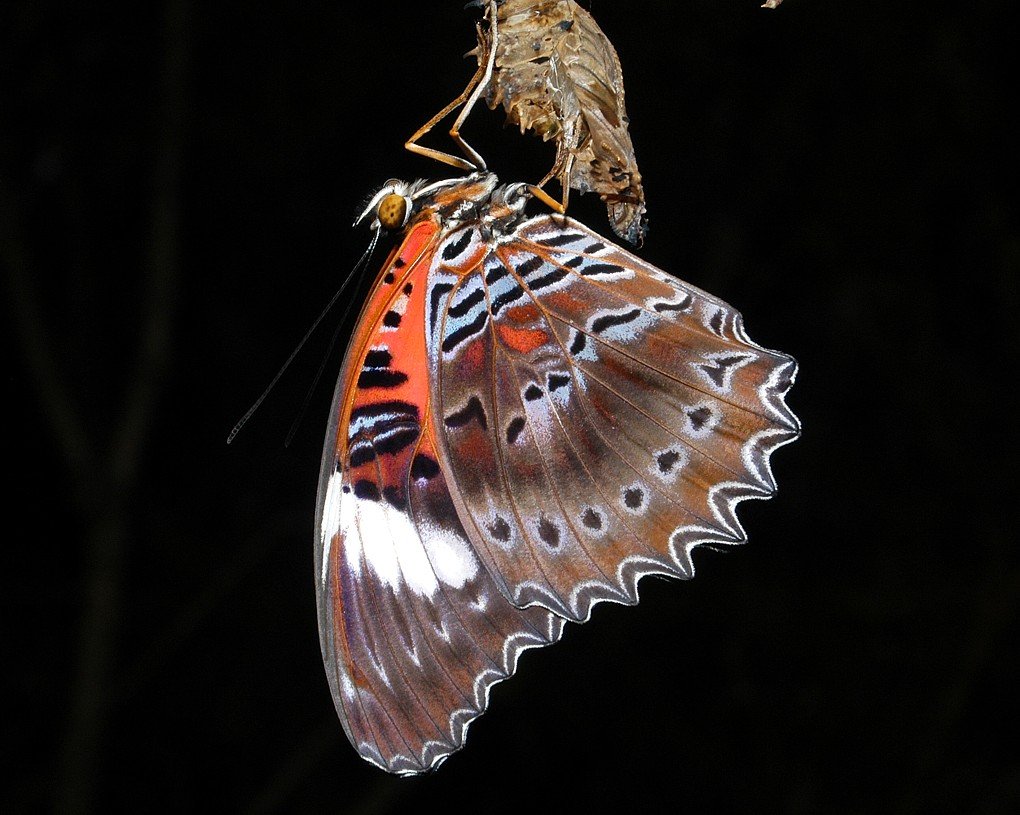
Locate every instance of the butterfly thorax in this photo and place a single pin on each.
(478, 199)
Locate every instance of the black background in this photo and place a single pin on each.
(177, 182)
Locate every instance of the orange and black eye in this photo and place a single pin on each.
(392, 211)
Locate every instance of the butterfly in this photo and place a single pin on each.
(529, 419)
(556, 73)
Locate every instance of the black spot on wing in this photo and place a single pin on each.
(472, 410)
(633, 497)
(716, 373)
(578, 343)
(513, 430)
(424, 466)
(500, 529)
(455, 338)
(680, 305)
(562, 239)
(591, 519)
(454, 248)
(378, 358)
(399, 263)
(555, 276)
(529, 266)
(548, 532)
(506, 298)
(532, 392)
(595, 269)
(607, 321)
(495, 274)
(715, 322)
(720, 366)
(361, 454)
(438, 291)
(391, 319)
(393, 441)
(557, 381)
(699, 417)
(369, 490)
(465, 305)
(381, 378)
(667, 461)
(394, 407)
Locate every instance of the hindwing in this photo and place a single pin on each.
(598, 418)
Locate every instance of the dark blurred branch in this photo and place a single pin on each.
(57, 406)
(993, 599)
(299, 765)
(221, 586)
(109, 536)
(163, 262)
(385, 794)
(995, 603)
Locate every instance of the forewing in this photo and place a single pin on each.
(600, 418)
(413, 630)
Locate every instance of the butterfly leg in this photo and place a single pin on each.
(456, 161)
(562, 167)
(468, 98)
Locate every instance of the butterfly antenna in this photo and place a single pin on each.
(332, 302)
(318, 375)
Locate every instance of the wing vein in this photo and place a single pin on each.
(606, 499)
(362, 604)
(495, 424)
(608, 443)
(337, 663)
(421, 626)
(453, 604)
(694, 327)
(499, 445)
(551, 480)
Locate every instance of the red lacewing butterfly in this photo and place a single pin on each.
(529, 419)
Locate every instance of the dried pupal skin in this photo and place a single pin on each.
(557, 74)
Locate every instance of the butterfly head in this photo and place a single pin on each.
(391, 207)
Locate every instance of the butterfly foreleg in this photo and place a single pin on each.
(466, 100)
(561, 169)
(447, 158)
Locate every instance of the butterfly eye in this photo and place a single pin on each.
(392, 211)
